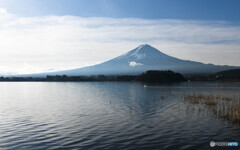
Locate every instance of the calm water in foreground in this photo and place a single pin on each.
(109, 115)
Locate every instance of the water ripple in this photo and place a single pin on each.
(104, 115)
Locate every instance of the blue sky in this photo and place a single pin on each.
(149, 9)
(48, 35)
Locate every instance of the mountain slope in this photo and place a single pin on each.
(141, 59)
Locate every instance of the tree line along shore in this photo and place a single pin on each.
(151, 76)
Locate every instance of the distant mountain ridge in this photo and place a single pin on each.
(139, 60)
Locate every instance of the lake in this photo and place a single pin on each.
(109, 115)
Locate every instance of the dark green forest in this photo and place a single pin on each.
(151, 76)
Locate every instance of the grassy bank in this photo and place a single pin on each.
(226, 107)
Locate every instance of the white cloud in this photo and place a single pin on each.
(134, 64)
(64, 42)
(5, 16)
(3, 11)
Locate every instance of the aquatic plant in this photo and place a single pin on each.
(226, 107)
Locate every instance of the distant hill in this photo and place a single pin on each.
(154, 76)
(141, 59)
(228, 75)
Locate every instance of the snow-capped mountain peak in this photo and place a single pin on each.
(139, 60)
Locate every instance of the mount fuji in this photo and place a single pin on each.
(141, 59)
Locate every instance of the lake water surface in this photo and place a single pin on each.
(109, 115)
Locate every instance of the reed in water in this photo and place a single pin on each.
(226, 107)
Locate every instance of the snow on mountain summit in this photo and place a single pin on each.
(141, 52)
